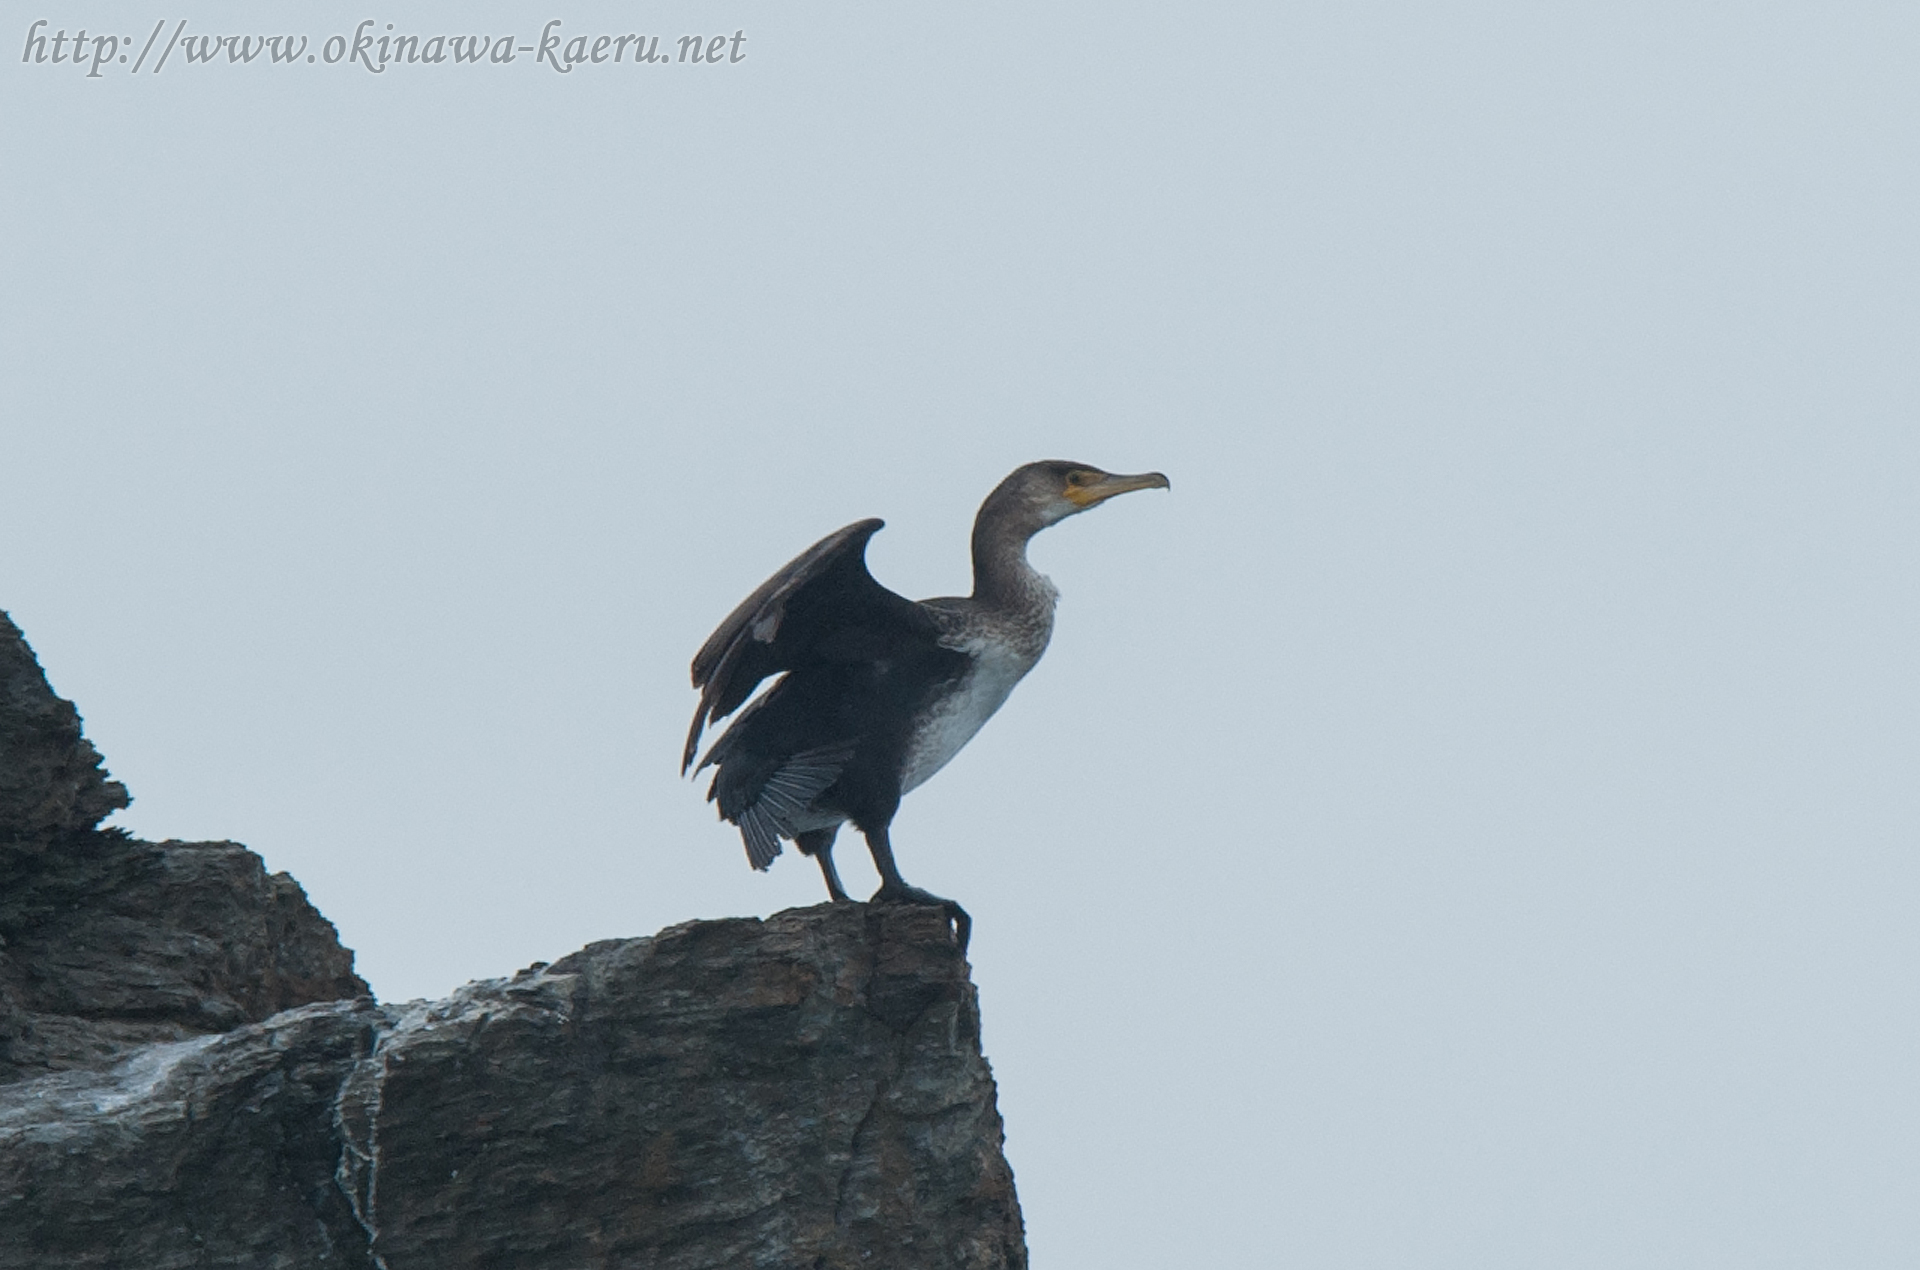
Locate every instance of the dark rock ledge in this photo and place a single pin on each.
(198, 1078)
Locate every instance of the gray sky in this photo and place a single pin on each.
(1468, 822)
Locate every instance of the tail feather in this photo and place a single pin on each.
(785, 795)
(761, 832)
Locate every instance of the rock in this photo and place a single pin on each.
(107, 942)
(807, 1091)
(113, 942)
(217, 1151)
(52, 785)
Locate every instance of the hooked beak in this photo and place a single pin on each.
(1106, 487)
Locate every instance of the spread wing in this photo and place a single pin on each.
(823, 608)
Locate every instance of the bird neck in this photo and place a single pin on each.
(1002, 578)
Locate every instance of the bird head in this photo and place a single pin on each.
(1047, 492)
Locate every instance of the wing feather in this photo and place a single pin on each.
(823, 606)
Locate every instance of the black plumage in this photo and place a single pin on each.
(877, 691)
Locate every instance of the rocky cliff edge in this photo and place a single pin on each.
(197, 1078)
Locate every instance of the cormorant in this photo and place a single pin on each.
(878, 691)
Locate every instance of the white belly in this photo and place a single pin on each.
(958, 716)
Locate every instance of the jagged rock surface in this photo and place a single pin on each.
(107, 942)
(52, 786)
(218, 1151)
(115, 942)
(807, 1091)
(803, 1092)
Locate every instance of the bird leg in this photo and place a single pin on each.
(894, 888)
(835, 891)
(818, 843)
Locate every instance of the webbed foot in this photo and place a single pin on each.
(962, 923)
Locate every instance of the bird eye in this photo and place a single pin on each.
(1080, 476)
